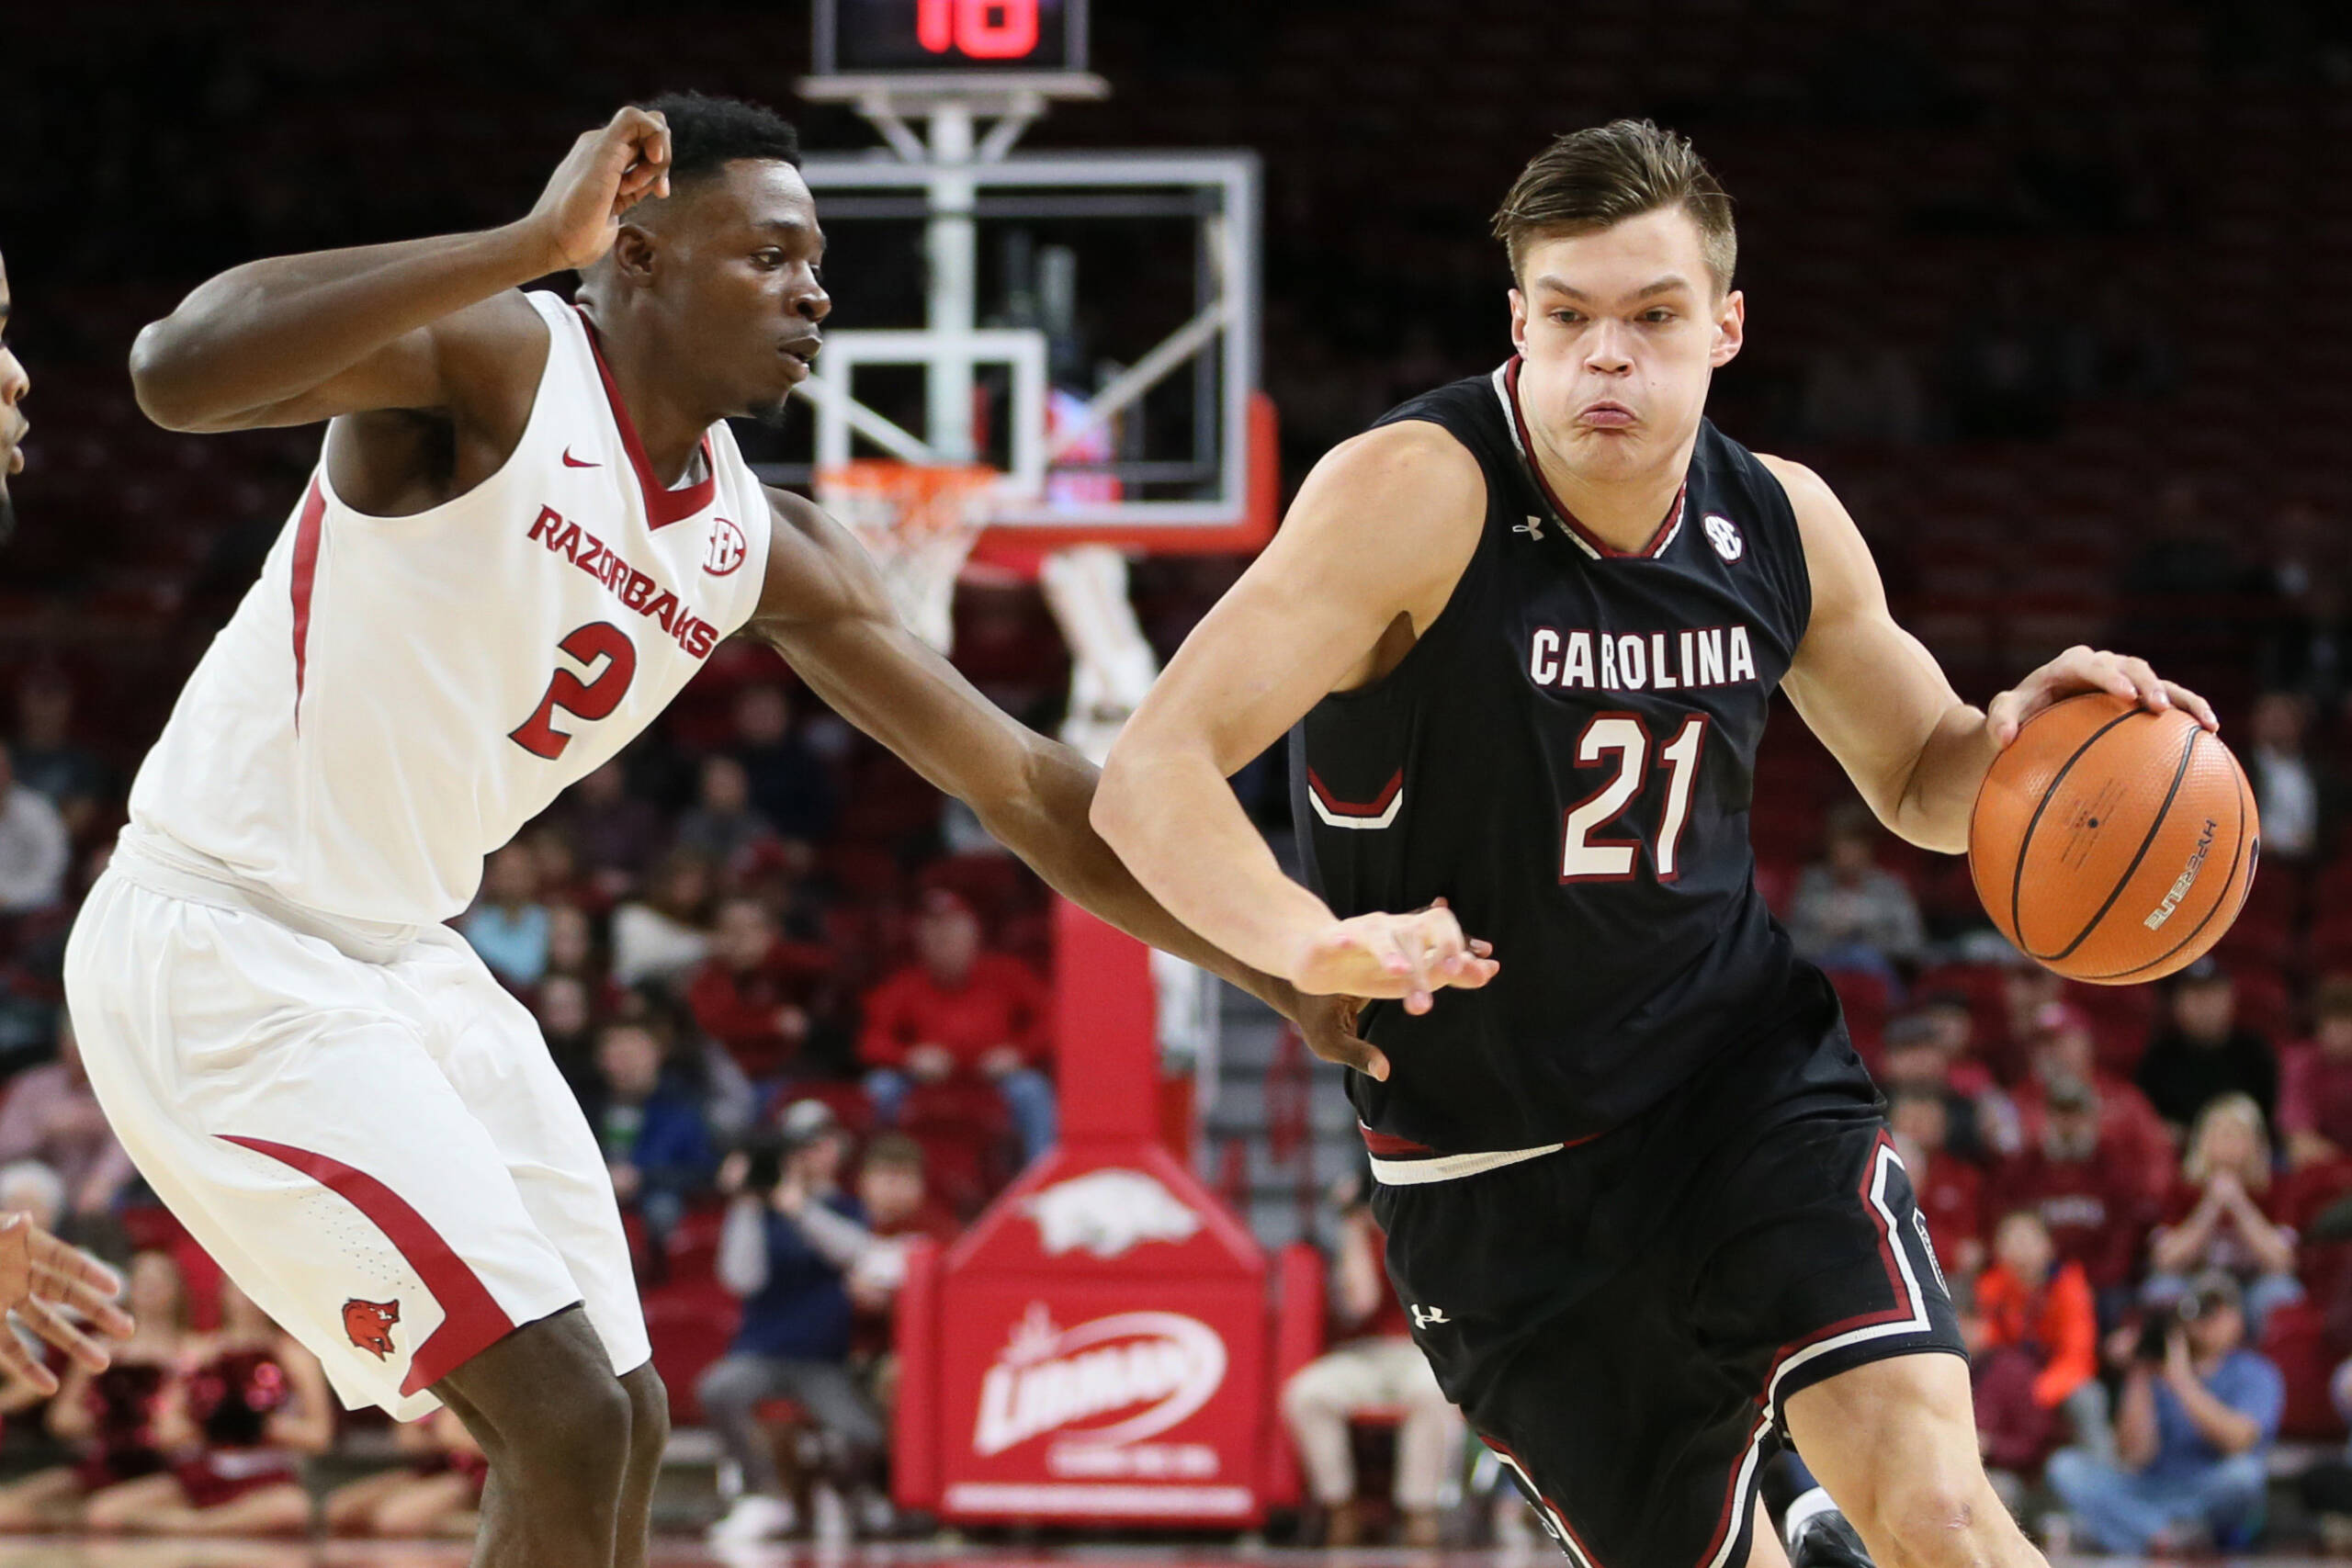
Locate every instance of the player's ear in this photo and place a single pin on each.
(1518, 321)
(1731, 328)
(633, 253)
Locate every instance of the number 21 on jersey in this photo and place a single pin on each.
(1623, 740)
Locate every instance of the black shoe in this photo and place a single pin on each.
(1829, 1542)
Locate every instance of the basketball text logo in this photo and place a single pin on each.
(2185, 881)
(369, 1324)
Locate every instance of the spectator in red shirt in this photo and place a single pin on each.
(2033, 1342)
(2063, 1049)
(2316, 1080)
(958, 1011)
(1373, 1362)
(2094, 1207)
(1950, 1190)
(2226, 1213)
(757, 993)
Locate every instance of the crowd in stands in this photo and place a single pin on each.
(2140, 1196)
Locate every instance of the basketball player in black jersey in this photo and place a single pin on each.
(1639, 1196)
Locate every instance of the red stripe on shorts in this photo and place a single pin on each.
(472, 1319)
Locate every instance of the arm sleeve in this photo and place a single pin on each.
(2074, 1322)
(742, 1262)
(838, 1239)
(35, 875)
(2250, 1384)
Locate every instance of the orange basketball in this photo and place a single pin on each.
(2113, 844)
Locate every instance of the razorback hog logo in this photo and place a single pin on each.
(1108, 1211)
(1105, 1383)
(369, 1324)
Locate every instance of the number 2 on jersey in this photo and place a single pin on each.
(1583, 857)
(590, 699)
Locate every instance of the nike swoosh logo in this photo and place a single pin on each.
(572, 462)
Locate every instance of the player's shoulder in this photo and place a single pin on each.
(1407, 470)
(492, 356)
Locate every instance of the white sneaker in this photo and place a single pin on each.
(828, 1520)
(754, 1516)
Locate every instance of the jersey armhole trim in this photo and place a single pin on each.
(495, 477)
(1443, 624)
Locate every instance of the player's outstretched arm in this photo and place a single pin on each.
(291, 340)
(1879, 702)
(1372, 548)
(825, 609)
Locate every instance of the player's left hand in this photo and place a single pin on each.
(1327, 1024)
(2080, 669)
(46, 1285)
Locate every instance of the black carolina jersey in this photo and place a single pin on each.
(1567, 756)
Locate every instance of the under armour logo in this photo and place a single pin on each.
(1533, 527)
(1425, 1317)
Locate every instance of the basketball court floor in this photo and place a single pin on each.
(59, 1552)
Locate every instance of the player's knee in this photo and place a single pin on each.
(648, 1417)
(580, 1442)
(1933, 1522)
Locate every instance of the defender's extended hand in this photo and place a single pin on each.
(1393, 955)
(1327, 1024)
(40, 1275)
(2080, 669)
(607, 173)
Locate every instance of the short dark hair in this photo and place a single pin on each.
(1594, 179)
(706, 133)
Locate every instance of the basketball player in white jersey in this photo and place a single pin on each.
(38, 1273)
(526, 531)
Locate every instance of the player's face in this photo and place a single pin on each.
(13, 385)
(745, 287)
(1621, 331)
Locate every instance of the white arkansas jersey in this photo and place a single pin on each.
(397, 696)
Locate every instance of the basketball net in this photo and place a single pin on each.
(919, 523)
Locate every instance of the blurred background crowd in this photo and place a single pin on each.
(2047, 292)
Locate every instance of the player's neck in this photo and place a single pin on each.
(670, 425)
(1623, 514)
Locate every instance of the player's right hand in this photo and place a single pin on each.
(607, 172)
(1408, 956)
(45, 1285)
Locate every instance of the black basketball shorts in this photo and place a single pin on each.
(1623, 1322)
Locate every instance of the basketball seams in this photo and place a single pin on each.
(2025, 839)
(2156, 826)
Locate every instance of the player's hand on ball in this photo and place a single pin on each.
(1408, 956)
(2080, 669)
(607, 172)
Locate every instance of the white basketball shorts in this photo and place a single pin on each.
(366, 1131)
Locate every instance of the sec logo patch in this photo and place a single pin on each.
(726, 548)
(1724, 534)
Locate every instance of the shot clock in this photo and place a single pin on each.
(905, 38)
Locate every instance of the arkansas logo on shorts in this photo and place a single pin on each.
(369, 1324)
